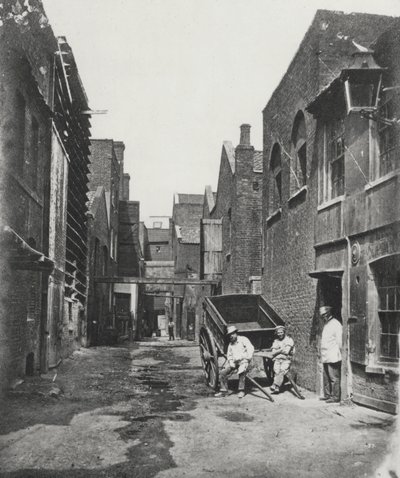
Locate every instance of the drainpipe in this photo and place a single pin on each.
(347, 378)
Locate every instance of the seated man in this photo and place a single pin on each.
(281, 354)
(239, 355)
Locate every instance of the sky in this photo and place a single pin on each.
(179, 77)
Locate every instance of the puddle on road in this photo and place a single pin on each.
(236, 417)
(147, 380)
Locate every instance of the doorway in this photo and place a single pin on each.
(330, 293)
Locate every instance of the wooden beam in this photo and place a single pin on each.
(153, 280)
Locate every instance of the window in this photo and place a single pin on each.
(389, 315)
(275, 194)
(298, 167)
(157, 225)
(385, 133)
(158, 249)
(332, 173)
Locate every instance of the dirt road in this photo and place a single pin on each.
(144, 411)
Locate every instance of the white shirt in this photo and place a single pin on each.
(285, 346)
(242, 349)
(331, 342)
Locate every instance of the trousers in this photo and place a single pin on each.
(332, 372)
(228, 370)
(281, 368)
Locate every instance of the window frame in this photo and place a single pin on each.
(326, 183)
(298, 166)
(275, 183)
(379, 128)
(378, 269)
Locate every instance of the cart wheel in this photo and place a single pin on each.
(269, 370)
(209, 357)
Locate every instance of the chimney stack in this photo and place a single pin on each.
(125, 187)
(245, 135)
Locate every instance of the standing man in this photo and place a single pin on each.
(331, 355)
(239, 355)
(281, 354)
(171, 329)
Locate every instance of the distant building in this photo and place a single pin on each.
(186, 215)
(100, 304)
(115, 314)
(231, 224)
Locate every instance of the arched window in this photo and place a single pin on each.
(298, 164)
(275, 194)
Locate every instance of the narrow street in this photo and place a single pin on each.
(143, 410)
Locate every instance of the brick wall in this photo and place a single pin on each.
(24, 177)
(238, 204)
(99, 301)
(289, 234)
(128, 247)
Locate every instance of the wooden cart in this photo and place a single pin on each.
(252, 316)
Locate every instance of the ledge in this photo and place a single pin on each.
(298, 194)
(383, 369)
(382, 180)
(274, 216)
(330, 203)
(384, 405)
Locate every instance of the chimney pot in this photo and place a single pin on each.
(245, 135)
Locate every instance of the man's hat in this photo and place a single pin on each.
(231, 329)
(325, 309)
(278, 327)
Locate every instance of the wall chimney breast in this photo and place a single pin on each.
(245, 135)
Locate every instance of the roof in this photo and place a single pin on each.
(93, 199)
(230, 154)
(258, 161)
(210, 198)
(181, 198)
(188, 234)
(21, 255)
(158, 235)
(335, 32)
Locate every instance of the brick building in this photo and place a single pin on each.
(99, 306)
(329, 228)
(185, 223)
(128, 297)
(231, 224)
(44, 156)
(121, 254)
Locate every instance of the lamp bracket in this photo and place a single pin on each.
(373, 115)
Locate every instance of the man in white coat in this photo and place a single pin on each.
(331, 355)
(239, 355)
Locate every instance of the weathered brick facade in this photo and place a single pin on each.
(38, 188)
(238, 204)
(99, 307)
(302, 234)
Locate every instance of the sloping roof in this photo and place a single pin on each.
(93, 199)
(335, 32)
(188, 234)
(230, 154)
(158, 235)
(210, 198)
(258, 161)
(188, 198)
